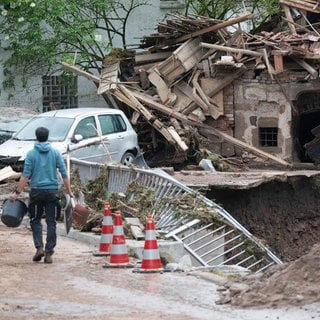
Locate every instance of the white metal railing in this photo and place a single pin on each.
(216, 243)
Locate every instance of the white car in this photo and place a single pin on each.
(99, 135)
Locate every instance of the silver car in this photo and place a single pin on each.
(100, 135)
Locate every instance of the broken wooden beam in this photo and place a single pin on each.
(213, 28)
(109, 77)
(181, 61)
(313, 72)
(164, 92)
(216, 86)
(207, 131)
(7, 173)
(231, 49)
(170, 134)
(288, 15)
(202, 99)
(146, 58)
(81, 72)
(159, 106)
(270, 68)
(196, 88)
(96, 80)
(307, 5)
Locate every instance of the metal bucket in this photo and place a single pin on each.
(13, 212)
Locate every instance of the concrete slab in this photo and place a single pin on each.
(172, 251)
(236, 180)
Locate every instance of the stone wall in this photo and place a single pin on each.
(260, 104)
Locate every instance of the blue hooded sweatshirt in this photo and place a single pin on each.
(41, 164)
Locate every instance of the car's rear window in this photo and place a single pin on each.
(112, 123)
(58, 128)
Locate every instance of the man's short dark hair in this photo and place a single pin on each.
(42, 134)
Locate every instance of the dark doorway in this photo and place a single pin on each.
(307, 122)
(308, 107)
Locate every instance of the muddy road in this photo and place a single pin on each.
(76, 286)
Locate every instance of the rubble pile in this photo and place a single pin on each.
(295, 283)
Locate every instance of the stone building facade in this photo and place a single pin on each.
(273, 115)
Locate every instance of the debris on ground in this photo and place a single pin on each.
(141, 202)
(294, 283)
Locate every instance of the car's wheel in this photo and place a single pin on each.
(127, 158)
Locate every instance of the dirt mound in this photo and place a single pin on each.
(294, 283)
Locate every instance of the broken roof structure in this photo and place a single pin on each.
(244, 92)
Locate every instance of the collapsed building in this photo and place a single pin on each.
(244, 92)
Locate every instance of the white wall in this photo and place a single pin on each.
(29, 97)
(87, 94)
(145, 19)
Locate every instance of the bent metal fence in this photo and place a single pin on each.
(218, 241)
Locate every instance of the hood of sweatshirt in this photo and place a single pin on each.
(43, 147)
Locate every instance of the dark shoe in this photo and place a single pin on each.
(47, 258)
(39, 254)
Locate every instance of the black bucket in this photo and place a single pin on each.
(13, 212)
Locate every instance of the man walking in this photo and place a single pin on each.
(41, 167)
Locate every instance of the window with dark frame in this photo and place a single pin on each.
(111, 123)
(59, 92)
(268, 137)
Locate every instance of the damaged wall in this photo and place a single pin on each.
(261, 104)
(258, 102)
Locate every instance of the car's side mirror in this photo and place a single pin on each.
(76, 138)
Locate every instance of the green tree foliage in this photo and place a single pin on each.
(39, 33)
(220, 9)
(225, 9)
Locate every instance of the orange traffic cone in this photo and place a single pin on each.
(119, 257)
(151, 258)
(106, 233)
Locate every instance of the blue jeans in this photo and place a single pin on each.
(44, 202)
